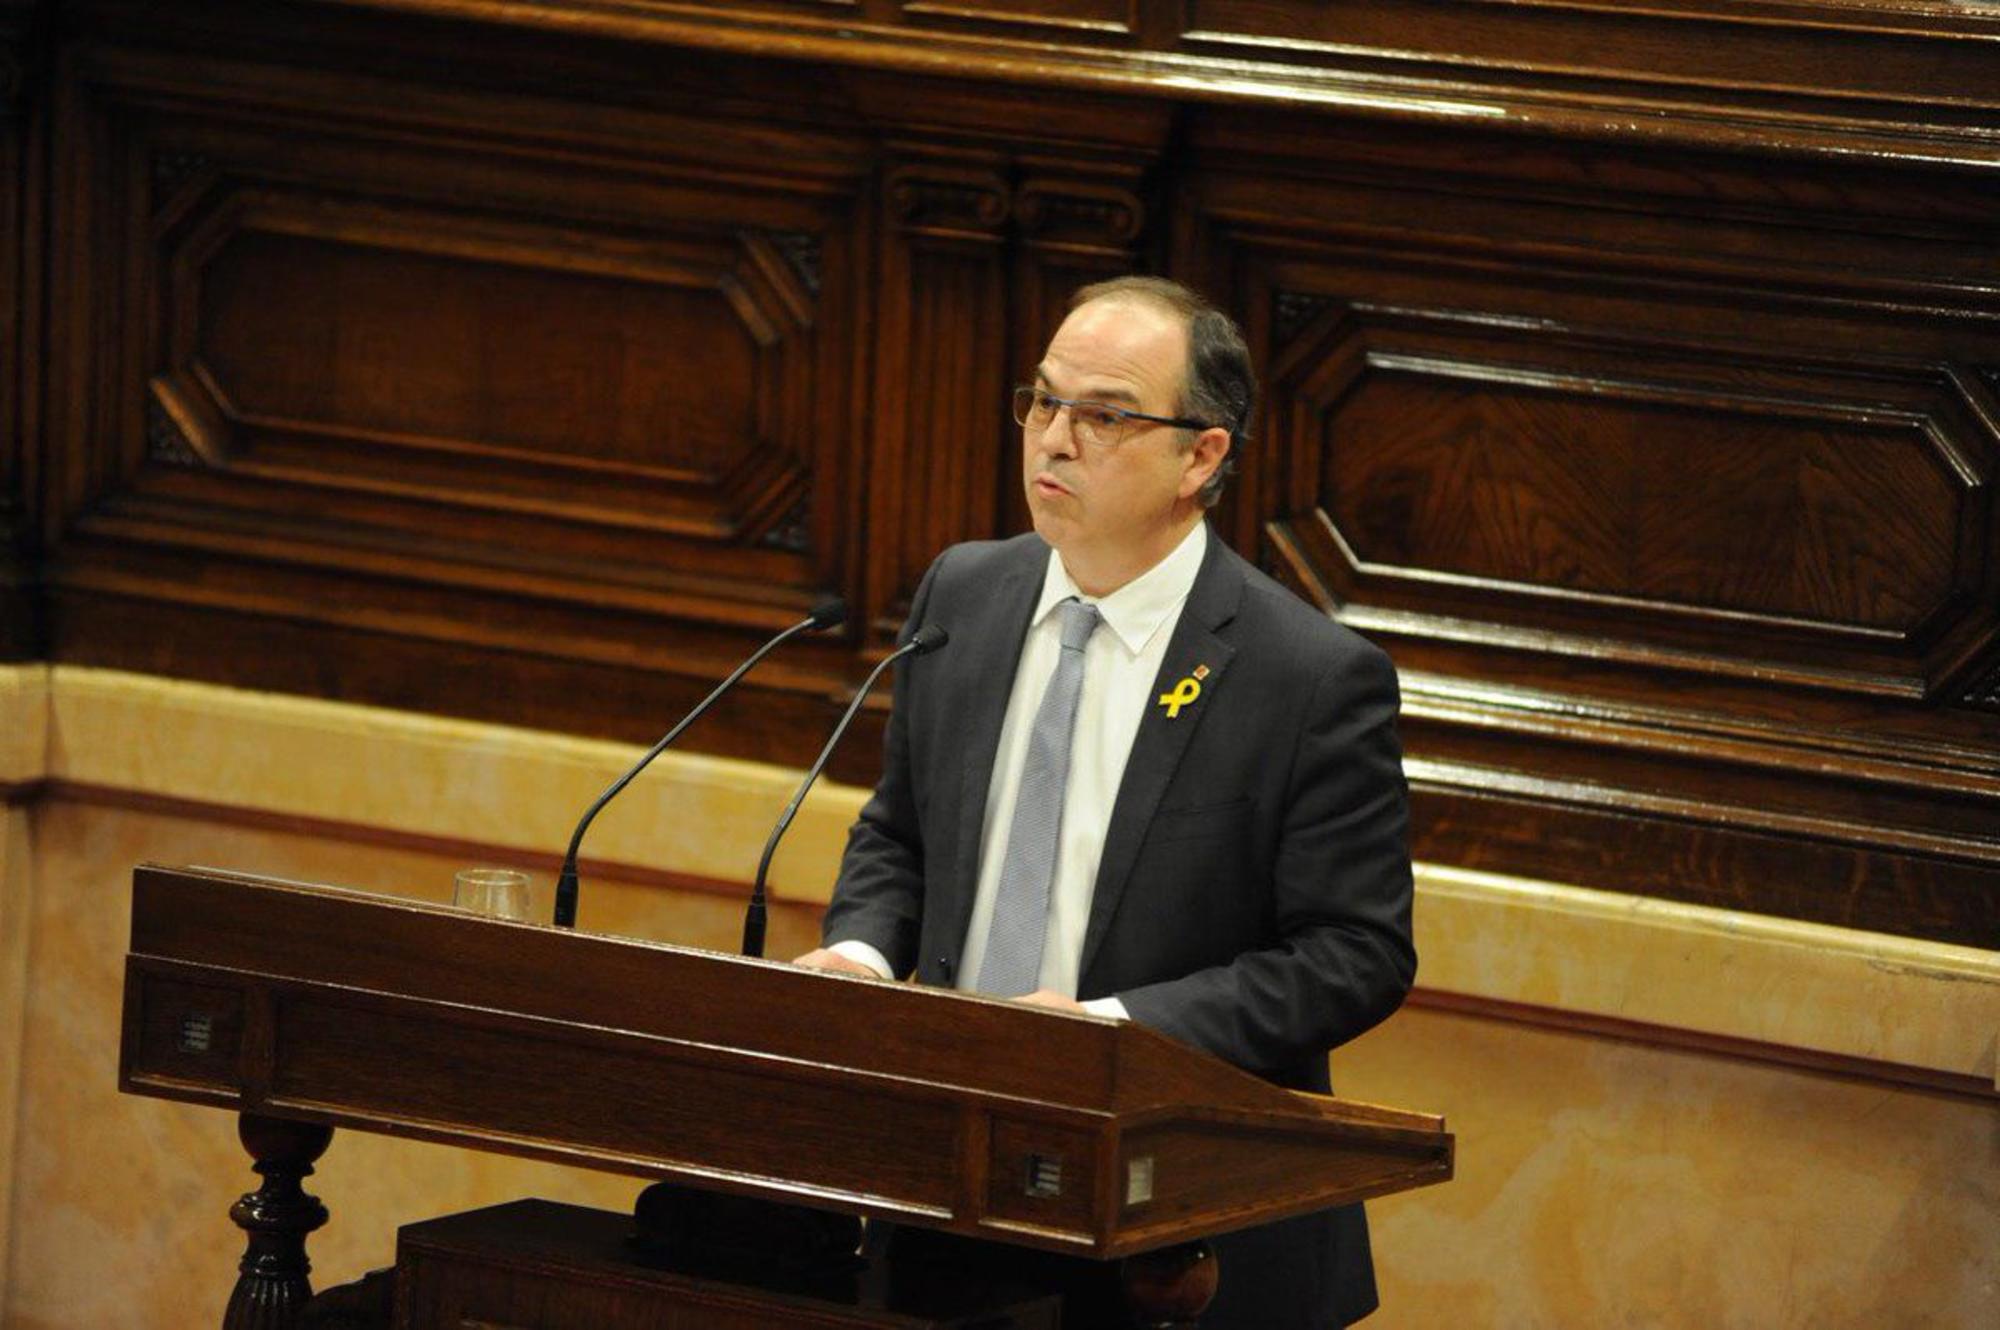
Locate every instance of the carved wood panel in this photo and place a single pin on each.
(570, 397)
(20, 47)
(983, 240)
(1754, 515)
(536, 361)
(936, 461)
(1678, 515)
(1071, 16)
(361, 353)
(1080, 221)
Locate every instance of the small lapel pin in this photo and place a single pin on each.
(1201, 671)
(1186, 691)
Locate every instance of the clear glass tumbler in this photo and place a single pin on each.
(499, 892)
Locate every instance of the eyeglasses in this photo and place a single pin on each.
(1095, 423)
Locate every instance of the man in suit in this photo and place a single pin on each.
(1144, 780)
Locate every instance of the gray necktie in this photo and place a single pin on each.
(1013, 961)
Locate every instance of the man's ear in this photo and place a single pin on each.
(1209, 449)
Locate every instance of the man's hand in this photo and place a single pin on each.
(1048, 997)
(826, 959)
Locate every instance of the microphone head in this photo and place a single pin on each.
(928, 639)
(828, 613)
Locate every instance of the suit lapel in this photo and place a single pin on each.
(992, 643)
(1162, 741)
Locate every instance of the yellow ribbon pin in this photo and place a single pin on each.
(1186, 691)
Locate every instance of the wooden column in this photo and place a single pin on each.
(272, 1287)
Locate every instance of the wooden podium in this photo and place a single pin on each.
(308, 1007)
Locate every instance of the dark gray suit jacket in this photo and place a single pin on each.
(1253, 898)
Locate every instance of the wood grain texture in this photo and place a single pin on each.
(1798, 76)
(1631, 376)
(23, 72)
(563, 1264)
(336, 1008)
(1641, 517)
(1815, 516)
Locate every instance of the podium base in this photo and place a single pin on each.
(540, 1265)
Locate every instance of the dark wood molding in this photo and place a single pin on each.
(1869, 1071)
(23, 76)
(1702, 854)
(1983, 693)
(21, 793)
(1803, 78)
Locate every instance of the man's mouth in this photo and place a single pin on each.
(1048, 484)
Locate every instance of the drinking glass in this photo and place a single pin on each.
(499, 892)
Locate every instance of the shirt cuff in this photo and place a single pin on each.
(1109, 1006)
(863, 954)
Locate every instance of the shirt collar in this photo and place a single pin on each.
(1136, 610)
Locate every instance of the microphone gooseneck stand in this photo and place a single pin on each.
(825, 615)
(925, 640)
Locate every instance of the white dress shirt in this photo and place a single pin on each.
(1120, 667)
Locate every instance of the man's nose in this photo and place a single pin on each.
(1059, 438)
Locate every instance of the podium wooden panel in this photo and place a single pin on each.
(988, 1119)
(573, 1266)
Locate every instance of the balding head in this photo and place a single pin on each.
(1216, 382)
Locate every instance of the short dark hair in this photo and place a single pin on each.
(1217, 385)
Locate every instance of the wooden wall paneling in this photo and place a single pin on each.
(88, 277)
(1204, 255)
(1631, 374)
(22, 79)
(1826, 524)
(583, 398)
(1819, 76)
(1072, 19)
(469, 357)
(1767, 55)
(941, 367)
(1704, 859)
(1078, 221)
(1765, 467)
(1010, 202)
(1902, 63)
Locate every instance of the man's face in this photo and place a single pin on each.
(1121, 507)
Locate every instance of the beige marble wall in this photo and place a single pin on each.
(16, 902)
(1601, 1181)
(120, 1203)
(512, 790)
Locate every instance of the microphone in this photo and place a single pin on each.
(826, 614)
(922, 642)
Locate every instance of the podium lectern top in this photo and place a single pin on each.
(951, 1111)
